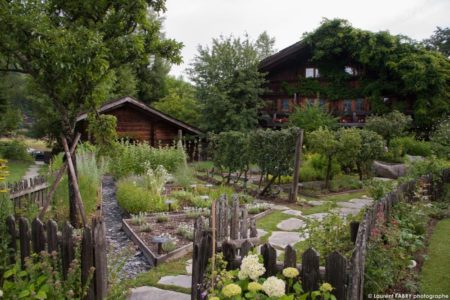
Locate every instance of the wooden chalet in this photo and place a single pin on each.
(287, 68)
(138, 122)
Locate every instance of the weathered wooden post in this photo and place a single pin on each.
(11, 225)
(310, 270)
(24, 236)
(67, 248)
(296, 176)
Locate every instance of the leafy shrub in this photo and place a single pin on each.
(184, 198)
(138, 219)
(378, 188)
(392, 245)
(169, 246)
(143, 193)
(43, 279)
(145, 228)
(431, 165)
(6, 209)
(330, 234)
(15, 150)
(313, 167)
(184, 176)
(134, 159)
(134, 199)
(186, 231)
(409, 145)
(440, 140)
(345, 182)
(202, 166)
(162, 218)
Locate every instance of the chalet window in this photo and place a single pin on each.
(312, 73)
(285, 104)
(359, 105)
(347, 106)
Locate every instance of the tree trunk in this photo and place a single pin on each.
(358, 166)
(266, 188)
(73, 212)
(327, 179)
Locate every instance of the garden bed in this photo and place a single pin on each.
(144, 239)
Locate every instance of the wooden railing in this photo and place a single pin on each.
(27, 191)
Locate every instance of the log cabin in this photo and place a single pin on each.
(138, 122)
(289, 75)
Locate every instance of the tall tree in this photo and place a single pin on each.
(72, 48)
(180, 101)
(228, 83)
(439, 41)
(265, 45)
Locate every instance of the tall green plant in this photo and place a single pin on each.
(231, 152)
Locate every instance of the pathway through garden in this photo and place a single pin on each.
(293, 229)
(33, 170)
(120, 246)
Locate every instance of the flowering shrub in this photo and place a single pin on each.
(251, 268)
(248, 283)
(143, 193)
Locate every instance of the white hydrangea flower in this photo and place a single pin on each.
(274, 287)
(251, 268)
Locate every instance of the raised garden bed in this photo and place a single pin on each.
(150, 247)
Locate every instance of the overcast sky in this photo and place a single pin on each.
(196, 22)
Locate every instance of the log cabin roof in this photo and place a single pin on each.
(114, 104)
(283, 56)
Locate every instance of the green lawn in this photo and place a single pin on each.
(151, 278)
(435, 275)
(17, 170)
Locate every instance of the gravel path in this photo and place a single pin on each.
(119, 244)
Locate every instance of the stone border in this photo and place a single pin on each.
(149, 255)
(261, 214)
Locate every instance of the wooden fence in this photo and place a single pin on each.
(232, 225)
(347, 277)
(26, 239)
(27, 191)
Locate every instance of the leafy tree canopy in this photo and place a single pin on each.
(180, 102)
(72, 49)
(228, 82)
(439, 41)
(312, 117)
(387, 65)
(391, 125)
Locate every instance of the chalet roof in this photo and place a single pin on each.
(282, 55)
(114, 104)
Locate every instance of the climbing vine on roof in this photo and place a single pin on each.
(388, 65)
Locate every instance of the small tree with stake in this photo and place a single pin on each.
(72, 49)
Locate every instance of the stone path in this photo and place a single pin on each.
(119, 243)
(294, 229)
(184, 281)
(152, 293)
(33, 170)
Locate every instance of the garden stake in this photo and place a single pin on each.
(74, 180)
(213, 257)
(58, 178)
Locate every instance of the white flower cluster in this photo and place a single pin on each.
(251, 267)
(274, 287)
